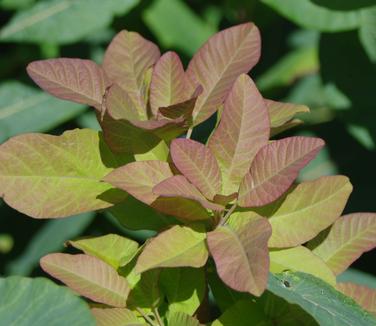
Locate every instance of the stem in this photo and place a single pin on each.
(157, 317)
(189, 133)
(229, 212)
(146, 317)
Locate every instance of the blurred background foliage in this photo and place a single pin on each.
(321, 53)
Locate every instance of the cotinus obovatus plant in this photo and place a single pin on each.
(230, 219)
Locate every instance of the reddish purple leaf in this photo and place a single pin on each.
(275, 168)
(241, 253)
(198, 165)
(363, 295)
(168, 84)
(77, 80)
(219, 62)
(243, 130)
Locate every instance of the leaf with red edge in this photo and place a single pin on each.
(89, 276)
(198, 165)
(77, 80)
(139, 178)
(240, 252)
(119, 104)
(349, 237)
(306, 210)
(219, 62)
(363, 295)
(275, 168)
(179, 186)
(242, 131)
(126, 61)
(168, 83)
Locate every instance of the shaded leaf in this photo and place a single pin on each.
(322, 301)
(235, 251)
(77, 80)
(179, 246)
(34, 302)
(367, 33)
(364, 296)
(306, 210)
(58, 175)
(219, 62)
(115, 317)
(355, 276)
(198, 165)
(88, 276)
(113, 249)
(242, 131)
(348, 238)
(275, 168)
(300, 259)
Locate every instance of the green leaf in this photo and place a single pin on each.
(184, 288)
(36, 302)
(367, 32)
(309, 14)
(182, 319)
(364, 296)
(300, 259)
(181, 28)
(26, 109)
(49, 238)
(62, 21)
(15, 4)
(58, 175)
(116, 317)
(89, 277)
(358, 277)
(322, 301)
(113, 249)
(178, 246)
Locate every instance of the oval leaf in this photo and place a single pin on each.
(88, 276)
(349, 237)
(77, 80)
(241, 253)
(242, 131)
(58, 176)
(219, 62)
(198, 165)
(275, 168)
(115, 317)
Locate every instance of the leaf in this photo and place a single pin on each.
(49, 238)
(182, 319)
(198, 165)
(179, 186)
(126, 61)
(300, 259)
(180, 27)
(76, 80)
(113, 249)
(349, 237)
(115, 317)
(88, 276)
(58, 175)
(34, 302)
(62, 21)
(322, 301)
(242, 131)
(364, 296)
(282, 113)
(309, 14)
(275, 168)
(355, 276)
(168, 83)
(25, 109)
(367, 32)
(219, 62)
(306, 210)
(179, 246)
(139, 178)
(184, 288)
(237, 249)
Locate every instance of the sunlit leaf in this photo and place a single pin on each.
(219, 62)
(242, 131)
(182, 319)
(58, 176)
(348, 238)
(275, 168)
(115, 317)
(241, 254)
(179, 246)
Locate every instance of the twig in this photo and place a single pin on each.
(229, 212)
(189, 133)
(146, 317)
(158, 317)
